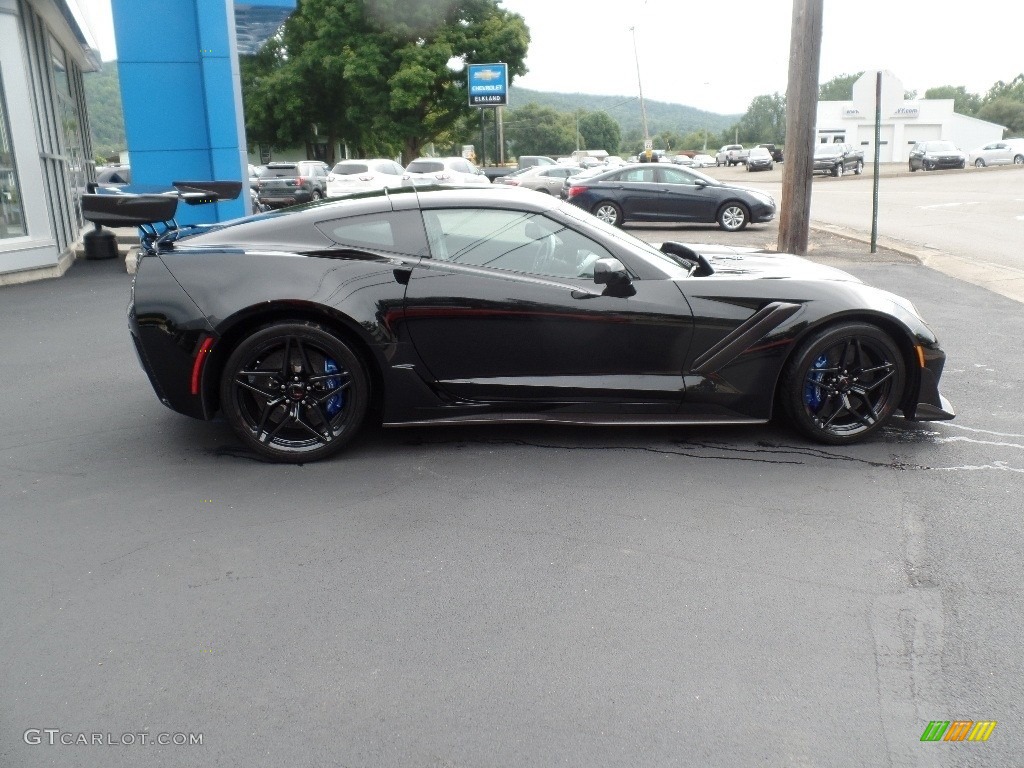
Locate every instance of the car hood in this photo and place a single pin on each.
(767, 265)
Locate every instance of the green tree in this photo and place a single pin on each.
(1013, 90)
(375, 73)
(839, 88)
(599, 131)
(1006, 112)
(535, 130)
(765, 120)
(963, 102)
(106, 121)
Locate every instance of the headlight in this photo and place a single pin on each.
(761, 197)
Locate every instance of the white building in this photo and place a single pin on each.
(45, 149)
(903, 123)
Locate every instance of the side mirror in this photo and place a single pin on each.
(610, 272)
(700, 183)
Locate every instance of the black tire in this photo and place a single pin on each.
(733, 216)
(843, 383)
(860, 168)
(608, 212)
(1018, 159)
(317, 195)
(839, 170)
(911, 166)
(294, 393)
(979, 163)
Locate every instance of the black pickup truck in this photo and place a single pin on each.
(836, 159)
(492, 172)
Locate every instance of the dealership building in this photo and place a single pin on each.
(45, 149)
(903, 122)
(46, 155)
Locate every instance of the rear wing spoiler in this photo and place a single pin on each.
(113, 207)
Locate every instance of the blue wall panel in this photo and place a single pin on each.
(181, 94)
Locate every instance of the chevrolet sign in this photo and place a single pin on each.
(488, 85)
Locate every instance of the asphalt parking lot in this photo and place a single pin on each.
(505, 596)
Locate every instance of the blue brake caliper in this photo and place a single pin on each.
(812, 390)
(335, 403)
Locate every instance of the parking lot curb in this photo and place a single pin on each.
(1006, 281)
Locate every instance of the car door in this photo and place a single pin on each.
(507, 309)
(682, 197)
(635, 191)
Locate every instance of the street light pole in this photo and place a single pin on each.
(706, 89)
(640, 85)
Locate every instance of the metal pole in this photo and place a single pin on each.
(483, 140)
(497, 138)
(501, 136)
(878, 154)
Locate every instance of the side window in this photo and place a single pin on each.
(515, 241)
(637, 174)
(675, 176)
(393, 232)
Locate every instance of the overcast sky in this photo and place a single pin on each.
(719, 57)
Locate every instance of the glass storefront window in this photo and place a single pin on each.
(12, 211)
(70, 127)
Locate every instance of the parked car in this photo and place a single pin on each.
(703, 161)
(837, 158)
(1005, 152)
(542, 178)
(731, 154)
(584, 173)
(760, 159)
(684, 160)
(775, 151)
(288, 183)
(442, 170)
(933, 155)
(663, 192)
(351, 176)
(116, 175)
(451, 306)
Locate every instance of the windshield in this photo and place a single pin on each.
(941, 146)
(824, 150)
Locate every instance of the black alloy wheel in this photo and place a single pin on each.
(294, 393)
(844, 383)
(734, 216)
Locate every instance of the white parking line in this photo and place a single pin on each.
(948, 205)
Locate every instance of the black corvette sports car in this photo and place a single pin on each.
(441, 306)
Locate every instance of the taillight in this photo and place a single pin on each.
(300, 181)
(573, 191)
(512, 182)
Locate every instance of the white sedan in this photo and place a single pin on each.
(703, 161)
(1005, 152)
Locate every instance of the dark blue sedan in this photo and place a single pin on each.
(661, 192)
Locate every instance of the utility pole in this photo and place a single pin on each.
(640, 85)
(801, 116)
